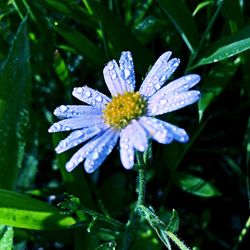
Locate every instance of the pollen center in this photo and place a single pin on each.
(123, 109)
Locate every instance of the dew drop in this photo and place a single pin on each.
(79, 90)
(87, 93)
(110, 65)
(157, 86)
(98, 98)
(163, 78)
(163, 101)
(113, 76)
(126, 73)
(63, 108)
(94, 155)
(188, 78)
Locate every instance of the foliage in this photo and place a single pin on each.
(199, 191)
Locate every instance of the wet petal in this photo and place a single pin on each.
(161, 103)
(115, 83)
(77, 137)
(127, 70)
(91, 96)
(71, 111)
(163, 132)
(156, 129)
(181, 84)
(179, 134)
(137, 136)
(82, 153)
(76, 123)
(126, 150)
(103, 148)
(159, 74)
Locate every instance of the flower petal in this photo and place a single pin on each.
(161, 103)
(77, 137)
(179, 134)
(104, 147)
(159, 74)
(127, 70)
(82, 153)
(76, 123)
(126, 150)
(156, 129)
(137, 136)
(71, 111)
(91, 96)
(181, 84)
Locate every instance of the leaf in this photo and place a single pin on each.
(15, 90)
(82, 44)
(226, 47)
(6, 237)
(215, 83)
(174, 221)
(182, 19)
(119, 36)
(195, 185)
(21, 211)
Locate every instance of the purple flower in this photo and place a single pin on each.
(128, 115)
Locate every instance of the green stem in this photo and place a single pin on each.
(131, 226)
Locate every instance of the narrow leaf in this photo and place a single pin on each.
(15, 89)
(182, 19)
(226, 47)
(21, 211)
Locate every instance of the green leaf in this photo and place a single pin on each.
(182, 19)
(226, 47)
(215, 83)
(195, 185)
(174, 221)
(82, 44)
(21, 211)
(201, 5)
(15, 90)
(6, 237)
(119, 36)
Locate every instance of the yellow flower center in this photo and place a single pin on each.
(123, 109)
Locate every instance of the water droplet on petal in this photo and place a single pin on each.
(94, 155)
(126, 73)
(110, 65)
(98, 98)
(163, 101)
(113, 76)
(157, 86)
(79, 90)
(63, 108)
(87, 93)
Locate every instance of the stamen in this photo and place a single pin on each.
(123, 109)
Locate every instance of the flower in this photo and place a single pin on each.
(129, 115)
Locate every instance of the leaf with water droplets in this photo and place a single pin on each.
(22, 211)
(15, 89)
(226, 47)
(6, 240)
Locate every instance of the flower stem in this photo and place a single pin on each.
(140, 189)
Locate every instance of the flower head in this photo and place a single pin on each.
(128, 115)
